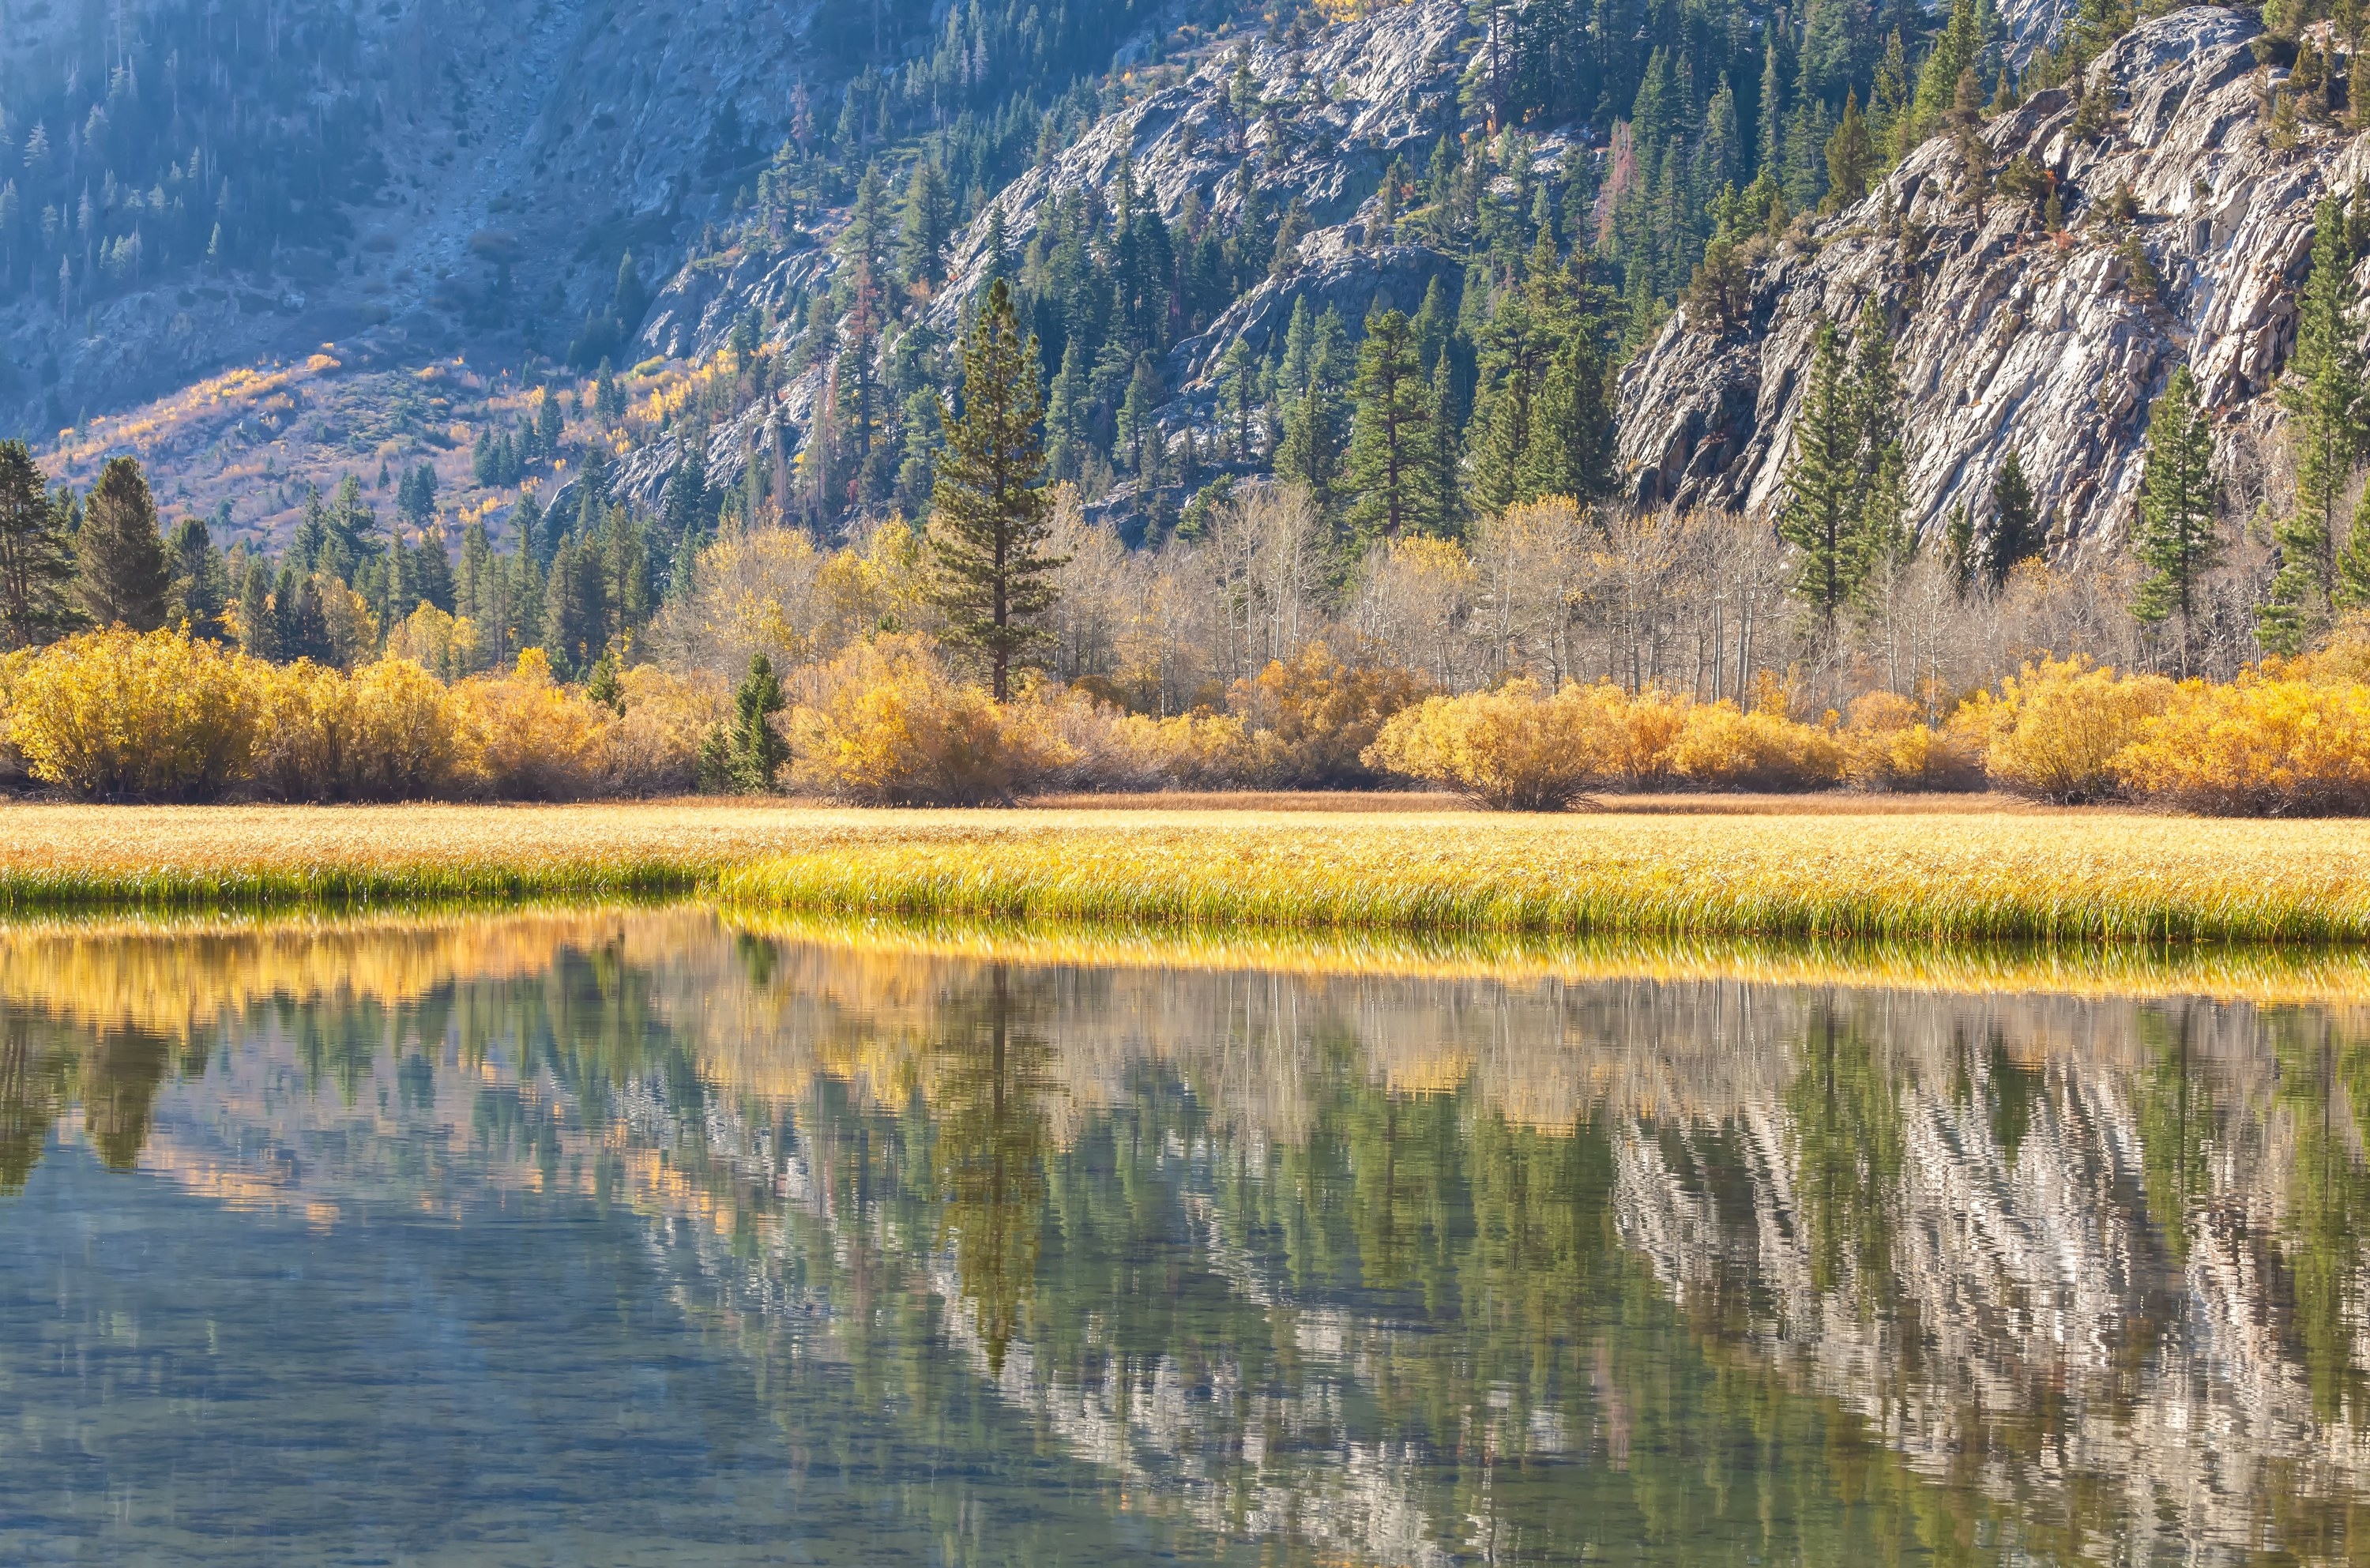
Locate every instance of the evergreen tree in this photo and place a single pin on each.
(2322, 392)
(574, 614)
(916, 475)
(1571, 448)
(1238, 393)
(1065, 415)
(200, 581)
(1393, 476)
(990, 570)
(745, 758)
(2176, 539)
(258, 626)
(2016, 523)
(37, 563)
(126, 575)
(1851, 158)
(1314, 422)
(1821, 518)
(929, 216)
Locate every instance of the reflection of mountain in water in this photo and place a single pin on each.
(1388, 1268)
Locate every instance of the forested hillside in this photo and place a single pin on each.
(1779, 355)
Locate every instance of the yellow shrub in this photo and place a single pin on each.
(1309, 721)
(2260, 746)
(654, 745)
(2055, 730)
(883, 723)
(1887, 744)
(1191, 751)
(1511, 749)
(524, 737)
(388, 731)
(125, 715)
(13, 771)
(1724, 747)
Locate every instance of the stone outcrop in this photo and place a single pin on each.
(2010, 339)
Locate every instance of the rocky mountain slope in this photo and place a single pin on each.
(2011, 339)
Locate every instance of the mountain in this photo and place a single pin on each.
(2011, 339)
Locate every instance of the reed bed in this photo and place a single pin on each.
(1889, 876)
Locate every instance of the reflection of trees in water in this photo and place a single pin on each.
(1249, 1303)
(37, 1071)
(991, 1136)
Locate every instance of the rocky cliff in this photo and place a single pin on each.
(2011, 339)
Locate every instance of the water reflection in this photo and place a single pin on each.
(934, 1250)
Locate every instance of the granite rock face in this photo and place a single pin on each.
(2010, 339)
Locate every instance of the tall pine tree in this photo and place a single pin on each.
(37, 566)
(1393, 480)
(125, 576)
(2322, 394)
(2176, 539)
(991, 571)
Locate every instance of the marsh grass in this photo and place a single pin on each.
(1890, 876)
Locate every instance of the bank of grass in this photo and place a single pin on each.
(1890, 876)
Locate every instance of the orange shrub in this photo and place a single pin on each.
(1511, 749)
(883, 723)
(1308, 723)
(1887, 744)
(653, 746)
(2259, 747)
(127, 715)
(2055, 730)
(387, 732)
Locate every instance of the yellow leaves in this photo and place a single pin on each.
(117, 714)
(1516, 749)
(445, 645)
(884, 723)
(2261, 745)
(2055, 730)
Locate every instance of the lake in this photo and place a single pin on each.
(624, 1236)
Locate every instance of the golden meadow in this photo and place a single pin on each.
(1902, 876)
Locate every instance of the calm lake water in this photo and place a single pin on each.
(630, 1237)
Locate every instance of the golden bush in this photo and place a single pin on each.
(126, 715)
(526, 737)
(1720, 746)
(2055, 730)
(1190, 751)
(884, 723)
(1511, 749)
(1309, 721)
(2261, 745)
(388, 731)
(12, 769)
(654, 745)
(1888, 745)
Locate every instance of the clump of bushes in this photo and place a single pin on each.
(163, 716)
(2055, 730)
(884, 723)
(1520, 748)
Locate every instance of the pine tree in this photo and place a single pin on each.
(2176, 539)
(200, 581)
(929, 215)
(258, 626)
(2322, 394)
(1065, 415)
(751, 752)
(1851, 158)
(125, 576)
(988, 526)
(2016, 521)
(1238, 395)
(1820, 517)
(1392, 475)
(1315, 422)
(37, 565)
(1571, 448)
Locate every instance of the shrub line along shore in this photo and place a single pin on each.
(1893, 876)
